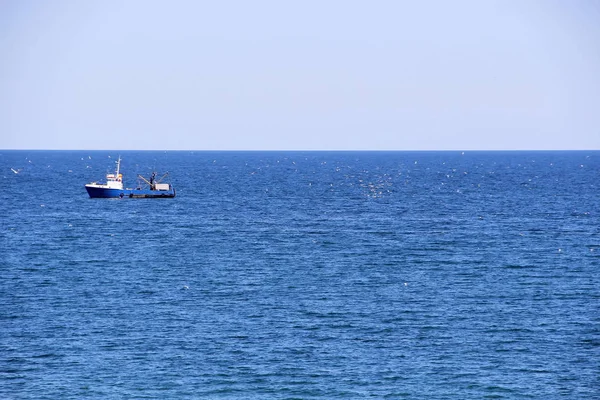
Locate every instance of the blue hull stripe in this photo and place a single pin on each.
(116, 193)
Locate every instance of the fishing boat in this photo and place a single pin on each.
(147, 188)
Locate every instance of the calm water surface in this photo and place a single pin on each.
(302, 275)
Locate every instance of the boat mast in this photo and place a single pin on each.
(118, 165)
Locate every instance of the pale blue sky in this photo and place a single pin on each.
(300, 75)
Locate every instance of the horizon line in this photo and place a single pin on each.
(305, 150)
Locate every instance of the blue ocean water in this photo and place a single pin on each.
(302, 275)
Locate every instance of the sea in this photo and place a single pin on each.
(302, 275)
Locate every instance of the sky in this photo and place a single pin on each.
(300, 75)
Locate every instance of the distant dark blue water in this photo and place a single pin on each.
(302, 275)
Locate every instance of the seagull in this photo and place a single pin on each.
(14, 170)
